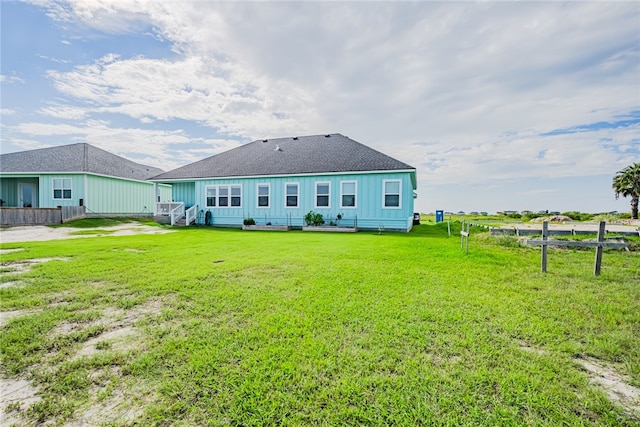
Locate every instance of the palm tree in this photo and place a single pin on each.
(627, 183)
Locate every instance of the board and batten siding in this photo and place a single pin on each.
(369, 208)
(46, 190)
(107, 195)
(9, 189)
(184, 192)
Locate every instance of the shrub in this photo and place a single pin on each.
(578, 216)
(313, 218)
(249, 221)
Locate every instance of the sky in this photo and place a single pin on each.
(498, 105)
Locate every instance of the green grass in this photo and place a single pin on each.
(298, 328)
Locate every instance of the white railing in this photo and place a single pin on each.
(177, 213)
(190, 214)
(165, 208)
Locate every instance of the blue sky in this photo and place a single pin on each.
(499, 105)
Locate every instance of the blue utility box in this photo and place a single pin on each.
(439, 216)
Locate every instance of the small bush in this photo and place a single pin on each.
(313, 218)
(578, 216)
(507, 241)
(249, 221)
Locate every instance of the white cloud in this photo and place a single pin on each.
(11, 79)
(221, 95)
(160, 148)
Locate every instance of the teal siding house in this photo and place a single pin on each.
(278, 181)
(79, 175)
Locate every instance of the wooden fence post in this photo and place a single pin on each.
(599, 245)
(545, 235)
(598, 264)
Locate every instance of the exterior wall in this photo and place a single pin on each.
(165, 192)
(368, 213)
(102, 195)
(184, 192)
(117, 196)
(46, 190)
(9, 190)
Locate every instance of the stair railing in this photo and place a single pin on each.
(177, 213)
(190, 215)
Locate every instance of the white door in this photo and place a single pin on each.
(26, 195)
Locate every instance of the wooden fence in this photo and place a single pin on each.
(10, 217)
(599, 245)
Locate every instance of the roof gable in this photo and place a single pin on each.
(332, 153)
(75, 158)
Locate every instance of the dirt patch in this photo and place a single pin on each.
(119, 407)
(8, 251)
(11, 284)
(19, 267)
(41, 233)
(529, 348)
(120, 339)
(5, 316)
(16, 395)
(616, 386)
(133, 250)
(112, 399)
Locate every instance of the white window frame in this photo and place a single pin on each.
(297, 184)
(315, 202)
(206, 196)
(229, 196)
(355, 195)
(384, 193)
(226, 196)
(237, 196)
(263, 184)
(62, 188)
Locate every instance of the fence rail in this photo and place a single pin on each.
(599, 245)
(10, 217)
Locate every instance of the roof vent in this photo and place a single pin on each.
(327, 136)
(295, 138)
(277, 148)
(265, 140)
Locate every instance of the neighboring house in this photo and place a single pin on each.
(79, 175)
(278, 181)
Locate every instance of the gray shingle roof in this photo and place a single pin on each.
(75, 158)
(288, 156)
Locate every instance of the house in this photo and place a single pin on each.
(79, 175)
(278, 181)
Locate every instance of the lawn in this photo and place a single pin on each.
(223, 327)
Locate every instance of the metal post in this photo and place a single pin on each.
(545, 234)
(598, 264)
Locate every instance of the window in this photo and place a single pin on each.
(236, 196)
(263, 195)
(348, 191)
(211, 197)
(62, 188)
(223, 196)
(291, 193)
(391, 196)
(322, 194)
